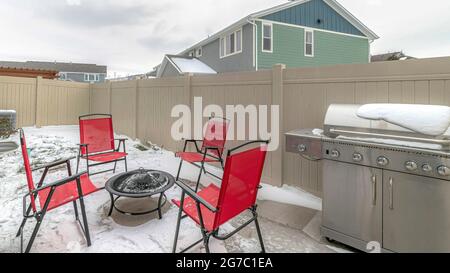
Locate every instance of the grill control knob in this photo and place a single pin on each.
(382, 161)
(335, 154)
(301, 148)
(443, 171)
(427, 168)
(357, 157)
(411, 165)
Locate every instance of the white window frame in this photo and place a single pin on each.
(223, 45)
(88, 75)
(197, 54)
(271, 38)
(61, 74)
(312, 43)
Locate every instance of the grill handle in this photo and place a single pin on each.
(405, 138)
(374, 190)
(391, 193)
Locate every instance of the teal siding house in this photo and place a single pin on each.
(301, 33)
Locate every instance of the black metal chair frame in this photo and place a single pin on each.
(39, 215)
(206, 235)
(205, 153)
(86, 156)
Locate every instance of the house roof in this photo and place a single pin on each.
(391, 56)
(27, 72)
(56, 66)
(332, 3)
(184, 64)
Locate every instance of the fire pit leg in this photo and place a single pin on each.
(159, 205)
(112, 205)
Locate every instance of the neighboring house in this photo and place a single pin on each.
(129, 78)
(28, 73)
(176, 65)
(76, 72)
(392, 56)
(298, 34)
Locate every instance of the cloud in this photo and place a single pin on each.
(96, 14)
(73, 2)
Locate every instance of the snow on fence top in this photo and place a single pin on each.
(432, 120)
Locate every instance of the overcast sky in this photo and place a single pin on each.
(132, 36)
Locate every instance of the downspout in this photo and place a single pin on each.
(255, 43)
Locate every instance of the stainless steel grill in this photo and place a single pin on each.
(381, 182)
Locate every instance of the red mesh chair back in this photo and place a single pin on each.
(26, 163)
(216, 135)
(98, 133)
(240, 183)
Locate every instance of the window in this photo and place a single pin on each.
(199, 52)
(191, 54)
(222, 47)
(91, 77)
(267, 42)
(238, 40)
(231, 44)
(309, 43)
(62, 76)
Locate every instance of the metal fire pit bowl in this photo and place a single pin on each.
(140, 183)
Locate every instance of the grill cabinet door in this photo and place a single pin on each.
(352, 201)
(416, 213)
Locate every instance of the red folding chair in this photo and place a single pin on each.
(213, 144)
(212, 207)
(53, 195)
(97, 142)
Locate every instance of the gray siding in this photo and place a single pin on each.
(79, 77)
(169, 71)
(239, 62)
(309, 13)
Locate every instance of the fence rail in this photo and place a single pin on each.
(141, 108)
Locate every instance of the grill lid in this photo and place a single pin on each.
(342, 121)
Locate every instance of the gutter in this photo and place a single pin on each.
(255, 43)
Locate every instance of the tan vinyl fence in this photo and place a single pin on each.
(142, 108)
(44, 102)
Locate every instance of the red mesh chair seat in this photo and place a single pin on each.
(211, 195)
(107, 157)
(193, 157)
(67, 193)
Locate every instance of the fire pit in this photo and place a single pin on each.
(141, 183)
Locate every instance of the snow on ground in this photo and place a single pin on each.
(430, 120)
(60, 233)
(290, 195)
